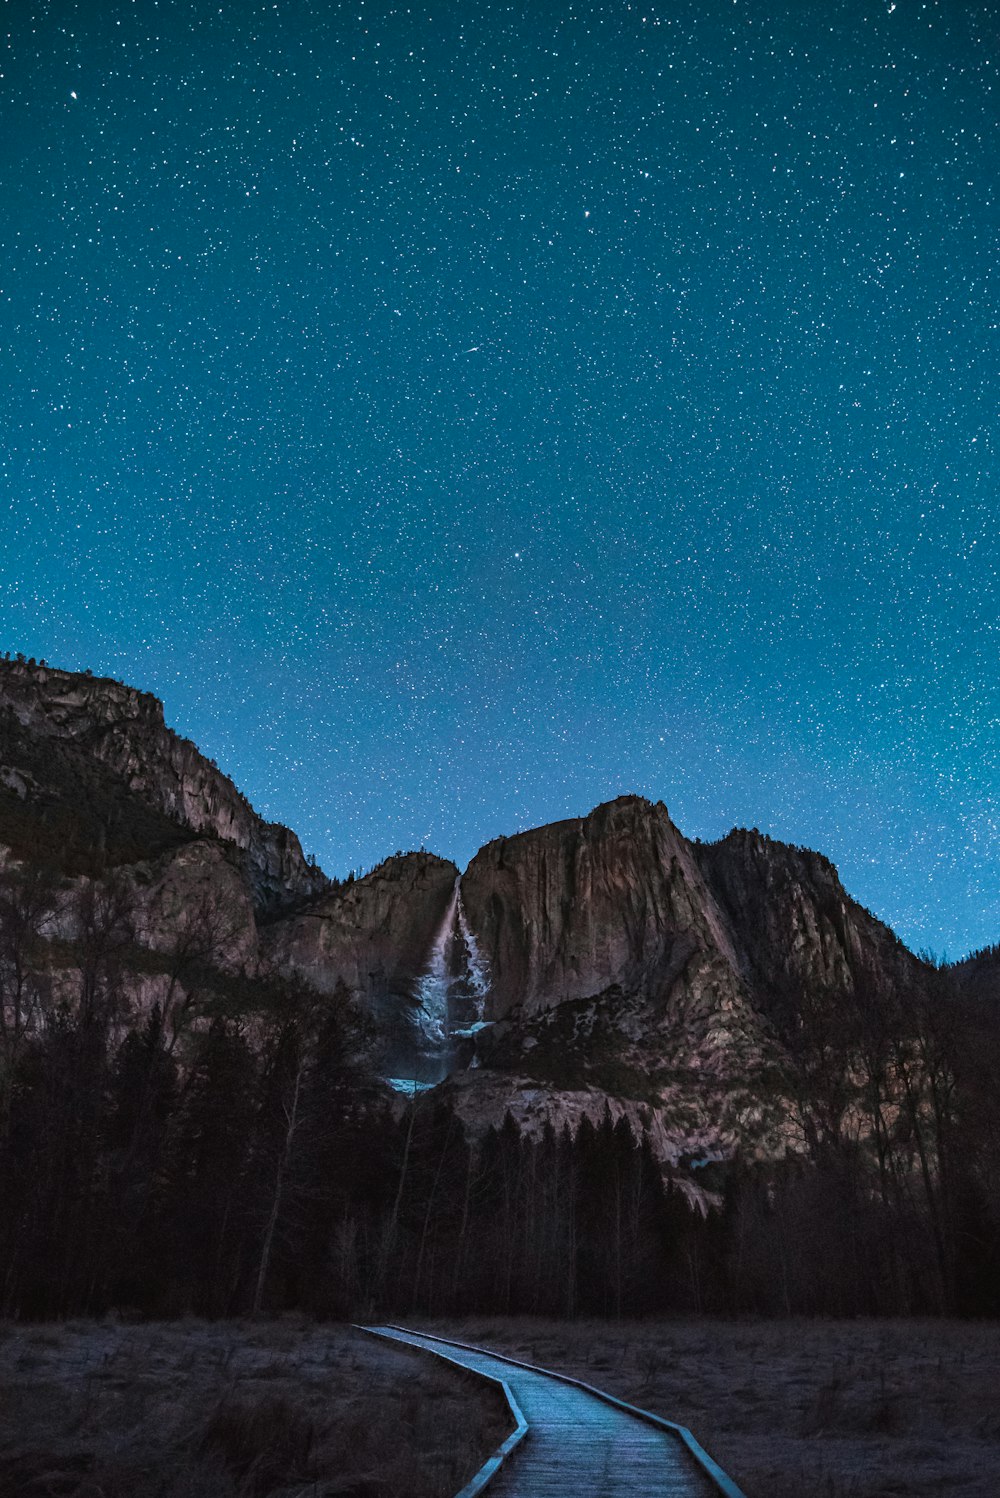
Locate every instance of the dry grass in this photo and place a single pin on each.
(804, 1409)
(232, 1410)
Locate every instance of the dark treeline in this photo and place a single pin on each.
(228, 1154)
(267, 1176)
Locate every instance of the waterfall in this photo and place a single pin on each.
(432, 986)
(477, 966)
(453, 989)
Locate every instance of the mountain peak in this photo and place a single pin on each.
(124, 730)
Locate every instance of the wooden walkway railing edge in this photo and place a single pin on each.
(722, 1481)
(492, 1465)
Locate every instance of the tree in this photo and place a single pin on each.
(27, 905)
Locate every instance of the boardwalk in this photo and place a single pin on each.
(576, 1443)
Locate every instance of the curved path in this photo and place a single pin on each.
(579, 1441)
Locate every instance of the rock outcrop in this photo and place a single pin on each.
(603, 961)
(631, 967)
(194, 902)
(794, 925)
(375, 937)
(568, 910)
(615, 979)
(373, 934)
(108, 724)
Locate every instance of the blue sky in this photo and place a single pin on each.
(460, 415)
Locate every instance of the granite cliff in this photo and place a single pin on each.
(794, 925)
(615, 898)
(601, 961)
(60, 729)
(374, 936)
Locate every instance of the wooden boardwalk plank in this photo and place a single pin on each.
(576, 1443)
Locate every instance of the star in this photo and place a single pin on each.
(732, 434)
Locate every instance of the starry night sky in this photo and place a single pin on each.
(463, 413)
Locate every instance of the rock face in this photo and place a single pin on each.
(793, 922)
(376, 936)
(373, 934)
(615, 980)
(122, 729)
(600, 961)
(616, 898)
(196, 898)
(810, 954)
(635, 969)
(622, 899)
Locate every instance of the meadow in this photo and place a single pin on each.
(796, 1409)
(194, 1409)
(277, 1409)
